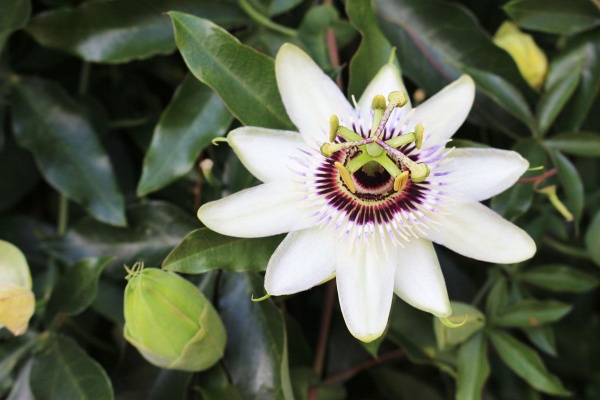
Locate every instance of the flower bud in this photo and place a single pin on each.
(530, 59)
(17, 302)
(170, 321)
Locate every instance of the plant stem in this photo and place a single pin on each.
(264, 21)
(63, 215)
(349, 373)
(541, 177)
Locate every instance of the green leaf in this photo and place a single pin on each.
(505, 94)
(470, 319)
(172, 385)
(244, 78)
(77, 288)
(543, 338)
(436, 40)
(559, 278)
(124, 30)
(109, 300)
(255, 331)
(15, 186)
(531, 313)
(273, 7)
(203, 250)
(563, 77)
(473, 368)
(526, 363)
(313, 30)
(62, 370)
(14, 15)
(21, 389)
(592, 238)
(562, 17)
(399, 385)
(219, 393)
(47, 122)
(571, 183)
(194, 117)
(154, 229)
(497, 298)
(586, 144)
(374, 50)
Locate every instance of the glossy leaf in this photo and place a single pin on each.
(473, 368)
(585, 144)
(77, 288)
(374, 50)
(204, 250)
(562, 17)
(50, 124)
(14, 15)
(255, 331)
(559, 278)
(244, 78)
(543, 338)
(569, 178)
(124, 30)
(531, 313)
(504, 94)
(62, 370)
(194, 117)
(563, 78)
(154, 229)
(592, 239)
(526, 363)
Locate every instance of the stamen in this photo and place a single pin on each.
(419, 134)
(328, 149)
(346, 177)
(418, 171)
(397, 99)
(334, 124)
(401, 181)
(378, 105)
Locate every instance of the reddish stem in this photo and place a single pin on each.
(349, 373)
(538, 178)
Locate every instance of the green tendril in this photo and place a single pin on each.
(450, 324)
(266, 296)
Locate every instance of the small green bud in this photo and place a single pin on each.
(17, 302)
(170, 321)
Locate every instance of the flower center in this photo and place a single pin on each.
(371, 160)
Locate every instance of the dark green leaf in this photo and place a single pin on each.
(373, 346)
(124, 30)
(531, 313)
(12, 354)
(399, 385)
(559, 278)
(587, 48)
(374, 50)
(203, 250)
(473, 368)
(77, 288)
(498, 297)
(562, 17)
(273, 7)
(194, 117)
(313, 30)
(504, 94)
(585, 144)
(219, 393)
(255, 331)
(563, 78)
(62, 370)
(172, 385)
(15, 186)
(543, 338)
(526, 363)
(14, 15)
(592, 239)
(571, 183)
(244, 78)
(21, 389)
(49, 123)
(154, 229)
(109, 300)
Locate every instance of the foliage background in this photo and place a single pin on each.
(102, 130)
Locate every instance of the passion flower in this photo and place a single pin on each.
(170, 321)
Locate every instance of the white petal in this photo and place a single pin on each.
(482, 173)
(309, 95)
(265, 210)
(365, 282)
(387, 80)
(419, 280)
(304, 259)
(475, 231)
(443, 113)
(266, 153)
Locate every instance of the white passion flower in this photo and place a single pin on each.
(364, 191)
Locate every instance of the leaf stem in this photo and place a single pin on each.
(264, 21)
(350, 372)
(541, 177)
(63, 215)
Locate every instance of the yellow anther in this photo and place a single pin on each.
(334, 124)
(327, 149)
(419, 135)
(378, 102)
(401, 181)
(418, 172)
(346, 177)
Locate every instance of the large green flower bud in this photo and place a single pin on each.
(17, 303)
(170, 321)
